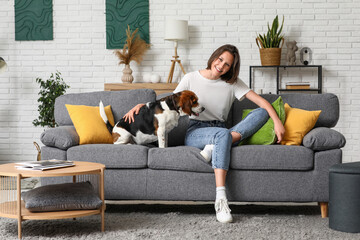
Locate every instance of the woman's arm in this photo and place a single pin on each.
(135, 110)
(261, 102)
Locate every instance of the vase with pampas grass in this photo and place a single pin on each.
(133, 50)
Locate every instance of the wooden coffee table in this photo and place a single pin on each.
(11, 205)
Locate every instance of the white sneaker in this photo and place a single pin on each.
(222, 209)
(207, 152)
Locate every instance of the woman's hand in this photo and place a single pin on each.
(279, 131)
(130, 115)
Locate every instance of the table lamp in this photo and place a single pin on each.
(3, 65)
(176, 30)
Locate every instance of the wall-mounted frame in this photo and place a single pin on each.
(33, 20)
(120, 14)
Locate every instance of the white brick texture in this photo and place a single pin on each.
(331, 28)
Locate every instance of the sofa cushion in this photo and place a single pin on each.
(62, 137)
(111, 155)
(328, 103)
(266, 134)
(271, 157)
(89, 124)
(121, 102)
(182, 158)
(58, 197)
(320, 139)
(298, 123)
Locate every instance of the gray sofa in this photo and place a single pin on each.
(257, 173)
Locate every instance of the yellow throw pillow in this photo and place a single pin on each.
(89, 125)
(298, 122)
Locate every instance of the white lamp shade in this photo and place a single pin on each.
(176, 30)
(3, 65)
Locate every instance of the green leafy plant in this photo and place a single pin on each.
(50, 89)
(273, 37)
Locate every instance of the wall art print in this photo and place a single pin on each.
(120, 14)
(33, 20)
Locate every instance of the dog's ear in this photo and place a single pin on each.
(185, 102)
(176, 99)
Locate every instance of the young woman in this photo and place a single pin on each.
(217, 86)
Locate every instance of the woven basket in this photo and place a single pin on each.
(269, 56)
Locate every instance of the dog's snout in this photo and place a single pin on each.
(202, 109)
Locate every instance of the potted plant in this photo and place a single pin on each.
(50, 89)
(270, 44)
(134, 49)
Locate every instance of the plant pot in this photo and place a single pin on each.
(270, 56)
(127, 77)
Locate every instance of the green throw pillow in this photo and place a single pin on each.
(266, 135)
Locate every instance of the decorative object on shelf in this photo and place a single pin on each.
(290, 55)
(3, 65)
(120, 14)
(133, 50)
(147, 77)
(127, 76)
(155, 78)
(176, 30)
(297, 85)
(270, 44)
(50, 89)
(305, 56)
(33, 20)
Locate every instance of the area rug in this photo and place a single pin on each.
(159, 221)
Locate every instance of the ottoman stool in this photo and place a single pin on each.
(344, 197)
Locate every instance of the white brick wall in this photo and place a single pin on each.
(331, 28)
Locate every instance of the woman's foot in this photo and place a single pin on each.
(207, 152)
(222, 209)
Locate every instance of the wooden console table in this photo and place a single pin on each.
(159, 88)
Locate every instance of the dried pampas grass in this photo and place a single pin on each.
(134, 48)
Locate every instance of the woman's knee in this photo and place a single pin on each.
(223, 134)
(261, 113)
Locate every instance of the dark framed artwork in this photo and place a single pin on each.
(120, 14)
(33, 20)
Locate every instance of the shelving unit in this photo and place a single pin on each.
(278, 89)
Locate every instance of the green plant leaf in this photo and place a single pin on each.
(49, 91)
(273, 37)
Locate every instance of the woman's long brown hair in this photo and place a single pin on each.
(232, 75)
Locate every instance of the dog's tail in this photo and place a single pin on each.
(104, 117)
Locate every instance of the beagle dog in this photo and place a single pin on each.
(155, 119)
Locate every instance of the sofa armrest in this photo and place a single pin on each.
(62, 137)
(322, 138)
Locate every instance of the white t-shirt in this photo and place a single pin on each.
(216, 96)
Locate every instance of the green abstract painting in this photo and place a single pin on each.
(120, 14)
(33, 20)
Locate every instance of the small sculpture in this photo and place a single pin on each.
(290, 55)
(305, 56)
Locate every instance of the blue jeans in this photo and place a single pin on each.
(201, 133)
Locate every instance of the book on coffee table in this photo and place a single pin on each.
(44, 165)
